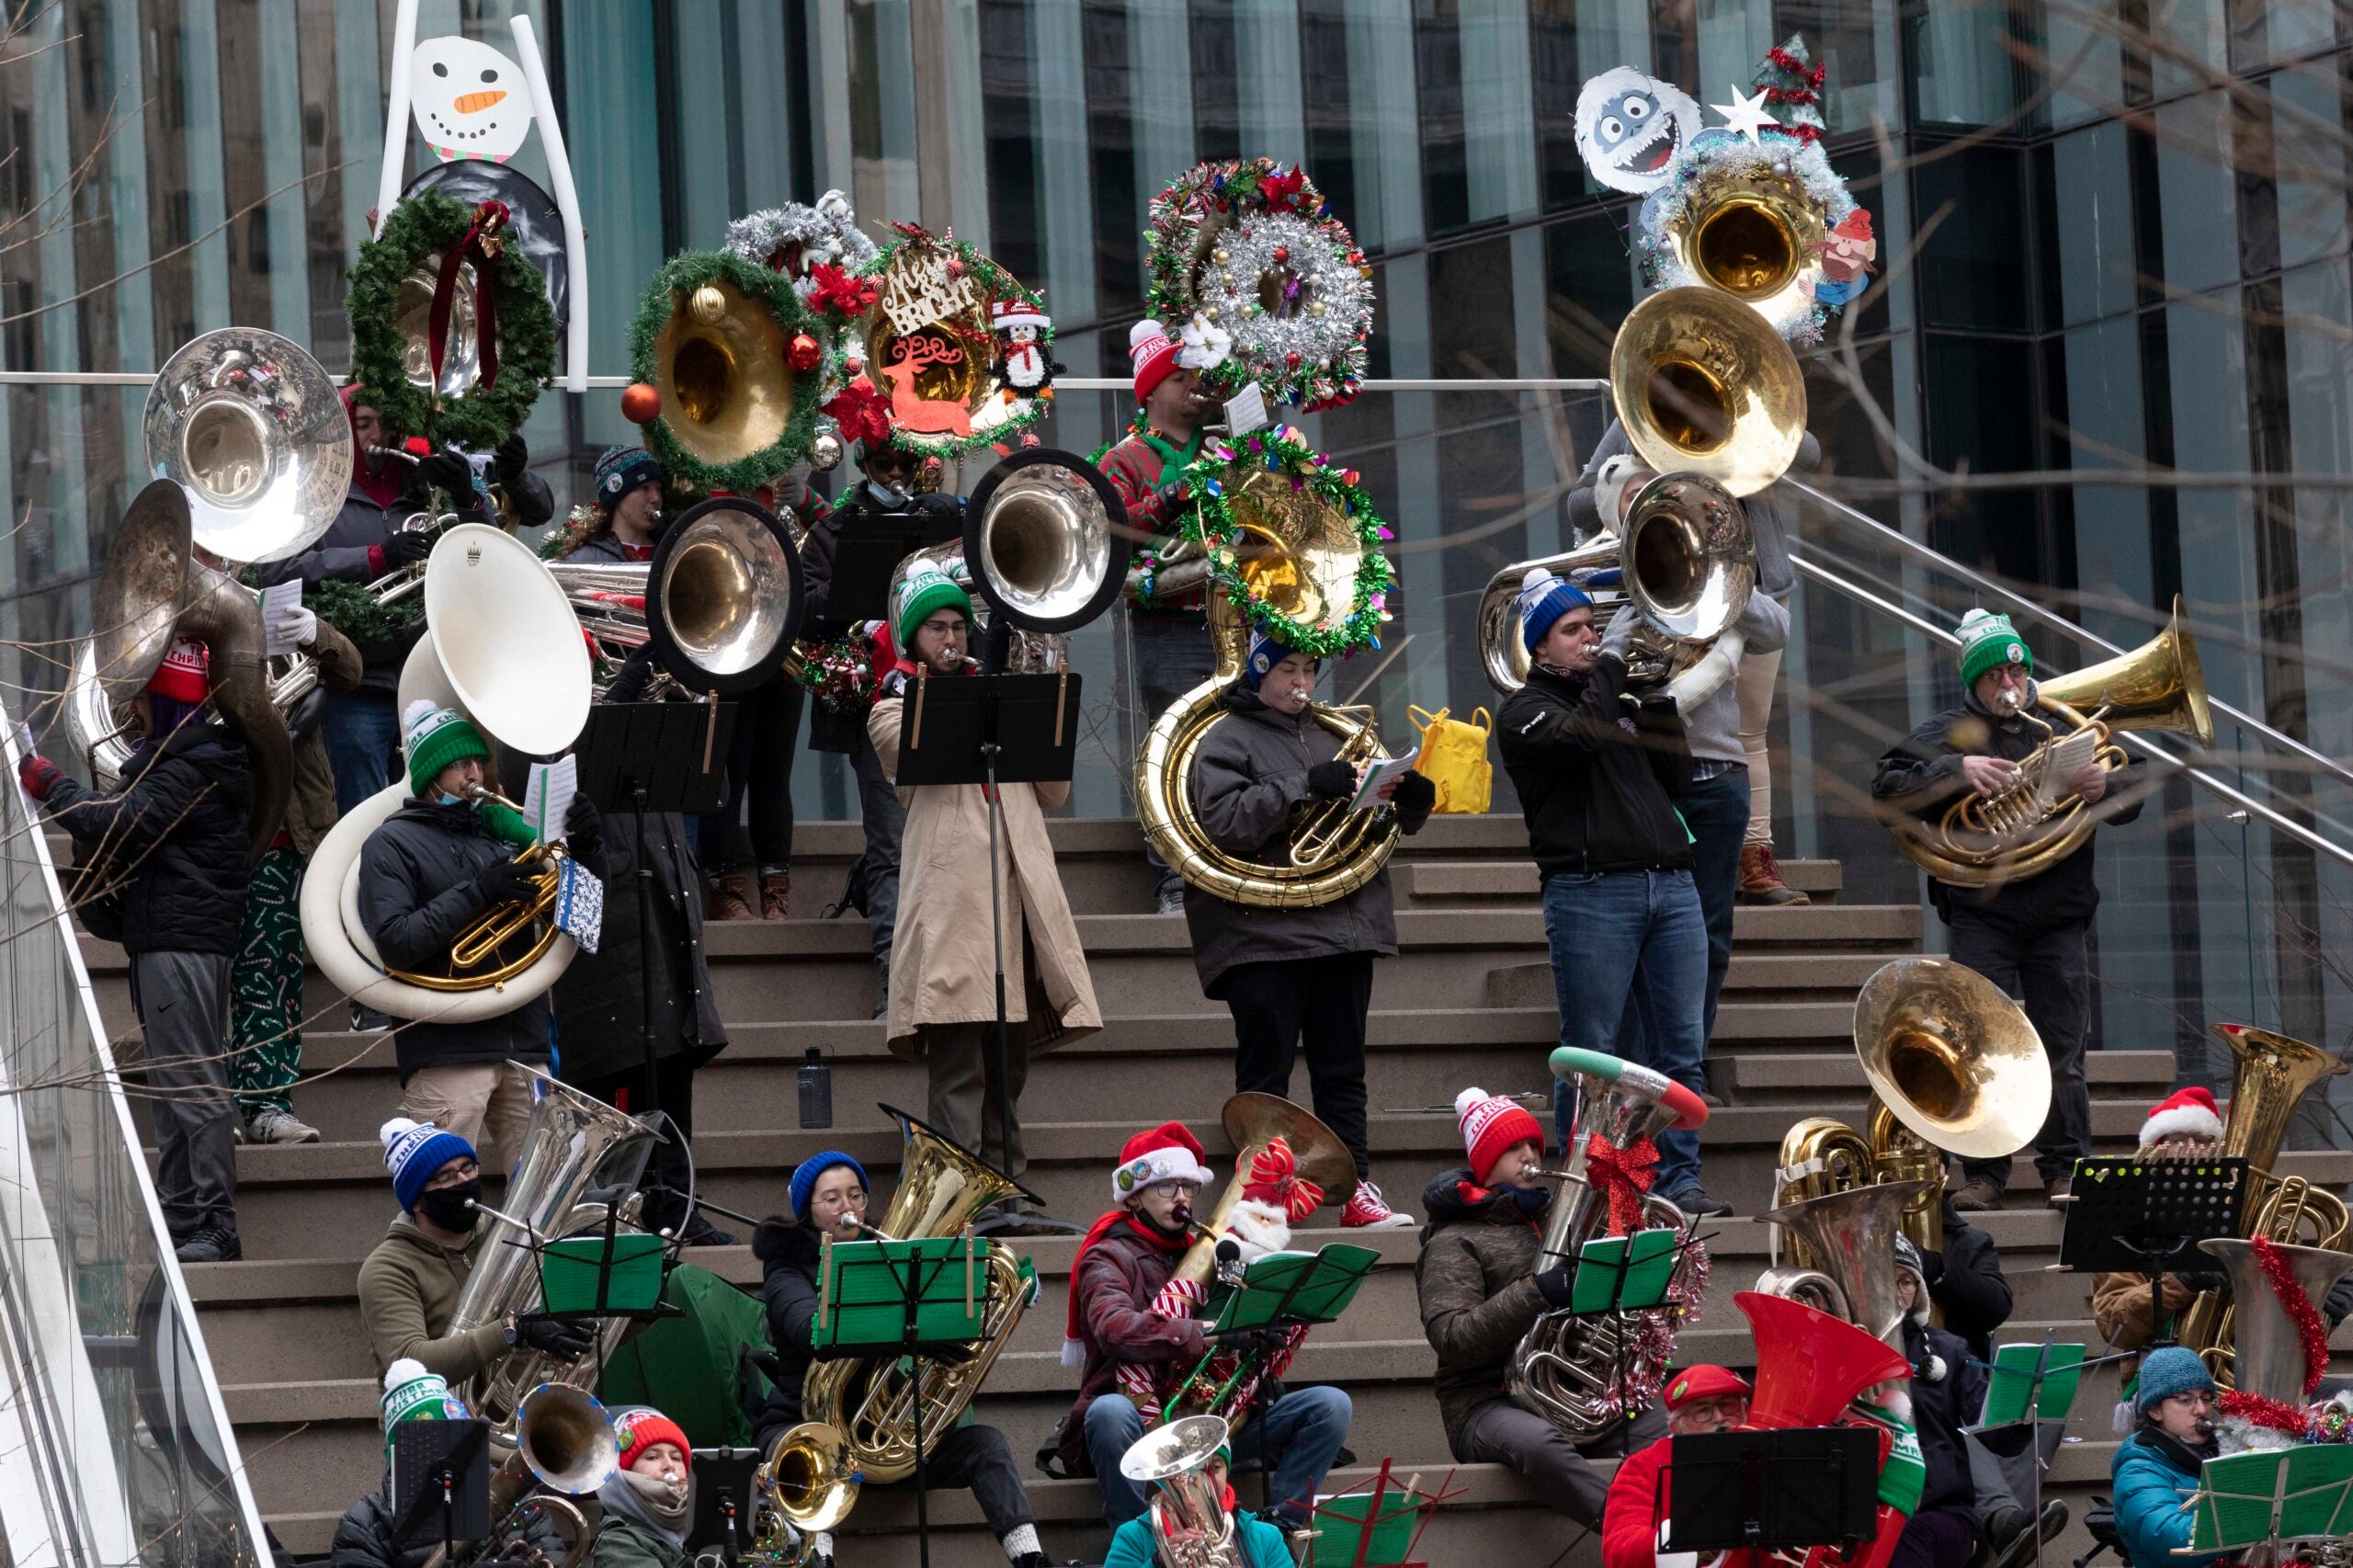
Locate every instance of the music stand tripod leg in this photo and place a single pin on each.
(1000, 1048)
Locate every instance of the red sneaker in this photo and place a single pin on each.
(1368, 1210)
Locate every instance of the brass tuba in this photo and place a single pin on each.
(2037, 822)
(2265, 1354)
(1759, 237)
(881, 1408)
(805, 1484)
(721, 366)
(564, 1447)
(1190, 1525)
(2270, 1072)
(1573, 1371)
(1045, 541)
(1851, 1234)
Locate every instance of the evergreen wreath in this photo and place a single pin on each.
(1014, 413)
(422, 227)
(1216, 232)
(681, 277)
(1209, 522)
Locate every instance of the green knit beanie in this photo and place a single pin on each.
(925, 590)
(1988, 642)
(434, 738)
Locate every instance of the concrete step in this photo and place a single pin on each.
(1771, 1077)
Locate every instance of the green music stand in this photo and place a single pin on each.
(2275, 1495)
(1625, 1274)
(2029, 1390)
(1283, 1289)
(1375, 1528)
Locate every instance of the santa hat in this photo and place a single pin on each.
(1003, 314)
(1855, 225)
(1166, 1153)
(1491, 1124)
(182, 676)
(637, 1428)
(1154, 353)
(2185, 1113)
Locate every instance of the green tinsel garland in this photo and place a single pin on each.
(682, 275)
(1209, 521)
(351, 609)
(422, 226)
(996, 283)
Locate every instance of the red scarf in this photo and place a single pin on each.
(1095, 1233)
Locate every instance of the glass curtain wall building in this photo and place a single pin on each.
(2113, 239)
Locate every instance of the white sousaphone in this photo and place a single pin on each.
(504, 648)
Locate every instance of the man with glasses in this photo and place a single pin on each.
(1124, 1313)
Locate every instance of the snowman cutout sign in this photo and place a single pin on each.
(470, 100)
(1630, 127)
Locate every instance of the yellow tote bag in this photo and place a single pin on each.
(1454, 757)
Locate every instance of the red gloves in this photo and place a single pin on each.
(38, 776)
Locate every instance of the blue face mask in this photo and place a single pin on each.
(1531, 1199)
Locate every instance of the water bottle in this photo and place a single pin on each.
(816, 1090)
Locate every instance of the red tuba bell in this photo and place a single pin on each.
(1810, 1367)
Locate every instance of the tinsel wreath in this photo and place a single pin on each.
(1219, 229)
(415, 232)
(824, 237)
(1209, 522)
(1716, 160)
(1010, 413)
(581, 524)
(681, 275)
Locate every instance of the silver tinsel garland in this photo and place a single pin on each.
(1716, 159)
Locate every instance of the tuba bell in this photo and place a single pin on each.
(1191, 1526)
(1702, 385)
(2036, 822)
(1045, 539)
(253, 428)
(1952, 1057)
(1756, 236)
(2266, 1355)
(721, 364)
(1852, 1234)
(804, 1484)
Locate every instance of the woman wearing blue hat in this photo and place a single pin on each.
(2156, 1470)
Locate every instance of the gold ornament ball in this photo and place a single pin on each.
(1315, 307)
(1220, 255)
(707, 304)
(1208, 313)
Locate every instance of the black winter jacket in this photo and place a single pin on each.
(1920, 776)
(418, 890)
(788, 1254)
(1476, 1281)
(1597, 778)
(825, 538)
(1942, 1406)
(1965, 1278)
(1249, 784)
(363, 1537)
(178, 830)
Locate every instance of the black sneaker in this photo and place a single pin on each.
(211, 1241)
(1695, 1201)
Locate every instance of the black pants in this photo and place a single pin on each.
(1324, 1001)
(673, 1082)
(978, 1457)
(759, 771)
(2045, 968)
(1500, 1432)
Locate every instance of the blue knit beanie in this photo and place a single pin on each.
(2174, 1370)
(1266, 650)
(1543, 600)
(413, 1152)
(805, 1174)
(621, 470)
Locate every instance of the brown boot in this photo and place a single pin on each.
(1760, 879)
(776, 895)
(1978, 1195)
(730, 898)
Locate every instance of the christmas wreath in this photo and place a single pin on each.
(1781, 166)
(1006, 413)
(1253, 251)
(1210, 522)
(674, 288)
(435, 235)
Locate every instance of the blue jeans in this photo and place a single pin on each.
(1633, 935)
(363, 734)
(1716, 810)
(1302, 1431)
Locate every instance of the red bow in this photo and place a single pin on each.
(1623, 1175)
(835, 290)
(481, 246)
(1275, 1178)
(862, 413)
(1281, 191)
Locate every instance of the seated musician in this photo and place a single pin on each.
(1293, 973)
(1131, 1331)
(2154, 1471)
(649, 1503)
(1481, 1293)
(1966, 1282)
(828, 1198)
(2026, 935)
(1136, 1544)
(1947, 1393)
(1698, 1400)
(429, 870)
(409, 1284)
(364, 1537)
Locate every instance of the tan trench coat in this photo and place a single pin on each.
(940, 971)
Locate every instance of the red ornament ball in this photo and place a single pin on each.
(1283, 254)
(1291, 360)
(955, 267)
(641, 404)
(805, 353)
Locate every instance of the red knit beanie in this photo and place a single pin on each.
(1491, 1124)
(639, 1426)
(1154, 353)
(183, 674)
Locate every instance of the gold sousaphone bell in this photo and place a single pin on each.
(1953, 1057)
(721, 368)
(1704, 385)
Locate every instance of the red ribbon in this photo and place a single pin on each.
(1275, 1178)
(481, 246)
(1623, 1175)
(2299, 1308)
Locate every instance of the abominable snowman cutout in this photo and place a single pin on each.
(1629, 128)
(471, 102)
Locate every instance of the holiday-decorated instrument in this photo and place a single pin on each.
(884, 1407)
(1191, 1526)
(2038, 820)
(733, 365)
(1816, 1370)
(821, 249)
(1702, 385)
(504, 649)
(2269, 1073)
(1587, 1374)
(1753, 221)
(2278, 1347)
(957, 354)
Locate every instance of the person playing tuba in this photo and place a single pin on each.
(1136, 1544)
(827, 1196)
(2027, 935)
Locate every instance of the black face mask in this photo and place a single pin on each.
(448, 1206)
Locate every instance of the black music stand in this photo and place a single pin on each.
(990, 730)
(2134, 1216)
(1792, 1488)
(653, 757)
(869, 555)
(722, 1491)
(440, 1483)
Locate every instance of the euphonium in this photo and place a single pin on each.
(1191, 1526)
(881, 1410)
(805, 1484)
(563, 1446)
(1573, 1371)
(2037, 821)
(2270, 1073)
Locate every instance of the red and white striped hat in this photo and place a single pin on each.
(1155, 354)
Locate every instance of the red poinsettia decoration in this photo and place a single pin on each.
(1281, 191)
(837, 292)
(861, 412)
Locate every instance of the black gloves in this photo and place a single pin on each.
(629, 682)
(2203, 1279)
(446, 471)
(502, 880)
(407, 547)
(2338, 1305)
(1332, 779)
(1416, 794)
(507, 464)
(1245, 1341)
(1558, 1284)
(565, 1341)
(584, 830)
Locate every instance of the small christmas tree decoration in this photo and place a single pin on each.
(1793, 85)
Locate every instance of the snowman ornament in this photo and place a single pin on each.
(470, 100)
(1020, 357)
